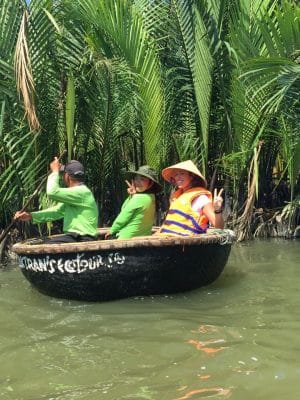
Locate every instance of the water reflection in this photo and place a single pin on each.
(237, 338)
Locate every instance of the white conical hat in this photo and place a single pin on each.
(188, 165)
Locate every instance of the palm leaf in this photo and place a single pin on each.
(19, 174)
(121, 29)
(70, 113)
(24, 76)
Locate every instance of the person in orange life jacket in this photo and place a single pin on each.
(192, 207)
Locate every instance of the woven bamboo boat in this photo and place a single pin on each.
(112, 269)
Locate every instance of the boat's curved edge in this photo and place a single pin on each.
(221, 236)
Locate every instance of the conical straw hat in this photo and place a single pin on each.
(188, 165)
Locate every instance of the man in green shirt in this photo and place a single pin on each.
(75, 204)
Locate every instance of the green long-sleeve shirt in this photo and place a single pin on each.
(136, 217)
(76, 205)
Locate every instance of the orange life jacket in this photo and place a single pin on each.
(181, 218)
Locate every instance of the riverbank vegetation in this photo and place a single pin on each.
(120, 83)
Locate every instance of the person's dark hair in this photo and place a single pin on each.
(197, 181)
(152, 189)
(77, 177)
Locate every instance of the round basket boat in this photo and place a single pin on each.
(112, 269)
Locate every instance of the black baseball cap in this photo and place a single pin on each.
(74, 168)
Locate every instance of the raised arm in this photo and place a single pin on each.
(213, 210)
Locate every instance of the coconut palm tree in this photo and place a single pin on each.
(89, 79)
(270, 77)
(119, 83)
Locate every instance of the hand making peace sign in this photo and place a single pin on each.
(131, 188)
(218, 200)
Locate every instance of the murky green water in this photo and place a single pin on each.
(237, 339)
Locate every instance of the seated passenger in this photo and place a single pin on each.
(191, 205)
(76, 205)
(137, 214)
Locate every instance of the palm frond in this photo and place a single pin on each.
(10, 16)
(121, 30)
(24, 77)
(70, 113)
(19, 174)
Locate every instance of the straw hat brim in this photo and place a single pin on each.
(167, 173)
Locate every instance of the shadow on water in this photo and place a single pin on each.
(236, 338)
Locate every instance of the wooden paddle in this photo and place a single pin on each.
(8, 228)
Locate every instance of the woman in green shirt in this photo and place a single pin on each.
(137, 214)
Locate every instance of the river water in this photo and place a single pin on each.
(237, 338)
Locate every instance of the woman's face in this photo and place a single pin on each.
(182, 179)
(141, 183)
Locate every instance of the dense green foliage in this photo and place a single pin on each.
(119, 83)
